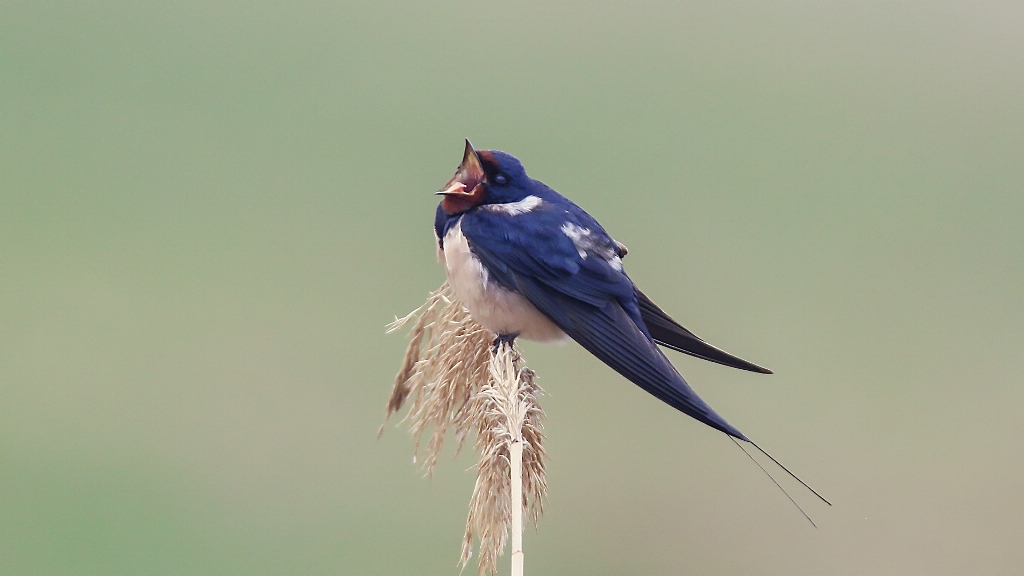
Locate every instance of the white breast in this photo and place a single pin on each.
(499, 310)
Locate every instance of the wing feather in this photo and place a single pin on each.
(671, 334)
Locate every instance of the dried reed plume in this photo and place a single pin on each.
(455, 379)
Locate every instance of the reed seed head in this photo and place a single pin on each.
(455, 380)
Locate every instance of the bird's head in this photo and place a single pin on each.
(484, 177)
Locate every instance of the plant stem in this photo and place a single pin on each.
(515, 453)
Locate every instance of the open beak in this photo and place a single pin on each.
(468, 177)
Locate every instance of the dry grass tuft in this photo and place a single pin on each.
(505, 413)
(455, 380)
(445, 364)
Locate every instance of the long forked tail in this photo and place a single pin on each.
(774, 481)
(795, 477)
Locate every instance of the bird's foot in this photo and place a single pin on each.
(503, 339)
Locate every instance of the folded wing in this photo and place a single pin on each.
(589, 298)
(671, 334)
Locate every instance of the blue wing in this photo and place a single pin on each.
(583, 290)
(670, 334)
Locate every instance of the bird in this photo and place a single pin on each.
(527, 262)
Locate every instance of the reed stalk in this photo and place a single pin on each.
(516, 466)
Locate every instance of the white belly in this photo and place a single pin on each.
(499, 310)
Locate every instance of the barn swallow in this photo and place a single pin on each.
(527, 262)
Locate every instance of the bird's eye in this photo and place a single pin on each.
(501, 179)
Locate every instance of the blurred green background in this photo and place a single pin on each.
(209, 211)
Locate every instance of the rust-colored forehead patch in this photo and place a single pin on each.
(490, 163)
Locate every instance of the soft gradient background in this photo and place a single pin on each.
(209, 211)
